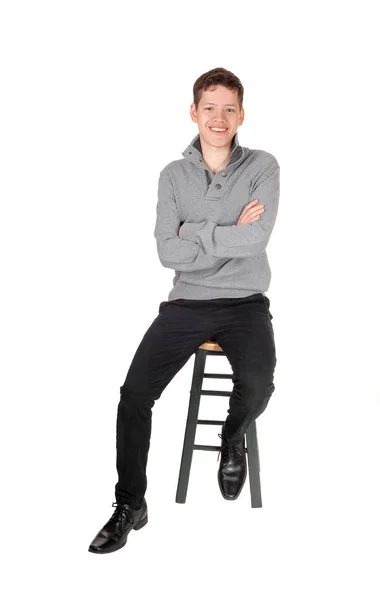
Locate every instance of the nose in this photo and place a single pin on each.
(218, 115)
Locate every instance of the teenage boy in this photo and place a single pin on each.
(216, 210)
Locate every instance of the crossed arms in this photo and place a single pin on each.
(206, 244)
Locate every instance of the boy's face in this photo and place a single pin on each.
(218, 107)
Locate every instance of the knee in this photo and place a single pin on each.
(132, 398)
(254, 383)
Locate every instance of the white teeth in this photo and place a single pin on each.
(217, 129)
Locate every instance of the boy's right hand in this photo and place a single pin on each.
(251, 212)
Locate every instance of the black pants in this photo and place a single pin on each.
(241, 326)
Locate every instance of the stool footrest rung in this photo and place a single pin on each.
(218, 375)
(209, 422)
(206, 447)
(215, 393)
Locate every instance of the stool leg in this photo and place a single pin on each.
(191, 425)
(253, 465)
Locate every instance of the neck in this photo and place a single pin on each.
(215, 158)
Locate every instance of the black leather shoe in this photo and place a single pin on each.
(113, 535)
(232, 469)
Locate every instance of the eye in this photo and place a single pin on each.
(210, 108)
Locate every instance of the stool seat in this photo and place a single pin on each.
(211, 345)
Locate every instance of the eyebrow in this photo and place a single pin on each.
(213, 103)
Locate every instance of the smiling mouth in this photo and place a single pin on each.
(217, 131)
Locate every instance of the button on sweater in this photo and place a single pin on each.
(212, 256)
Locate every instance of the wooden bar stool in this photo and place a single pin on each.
(252, 449)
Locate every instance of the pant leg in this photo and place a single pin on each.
(167, 345)
(245, 333)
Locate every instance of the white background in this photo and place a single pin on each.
(95, 102)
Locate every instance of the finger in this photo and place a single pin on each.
(255, 209)
(252, 220)
(251, 205)
(247, 206)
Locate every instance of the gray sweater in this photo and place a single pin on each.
(213, 257)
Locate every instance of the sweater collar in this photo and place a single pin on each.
(193, 152)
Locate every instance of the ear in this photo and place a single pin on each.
(193, 113)
(241, 116)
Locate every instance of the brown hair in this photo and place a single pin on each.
(214, 77)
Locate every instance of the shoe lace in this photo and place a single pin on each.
(120, 511)
(230, 451)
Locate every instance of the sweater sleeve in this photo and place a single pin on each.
(243, 240)
(174, 252)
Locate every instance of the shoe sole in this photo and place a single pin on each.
(137, 526)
